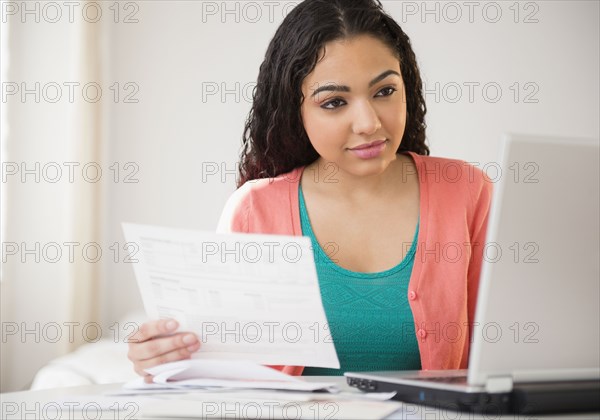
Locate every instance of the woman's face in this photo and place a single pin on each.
(354, 108)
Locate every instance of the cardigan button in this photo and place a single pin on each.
(412, 295)
(422, 333)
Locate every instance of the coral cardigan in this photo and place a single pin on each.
(454, 203)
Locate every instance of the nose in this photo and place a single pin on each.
(366, 120)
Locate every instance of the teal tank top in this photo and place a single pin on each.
(369, 317)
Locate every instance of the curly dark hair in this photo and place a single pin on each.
(274, 140)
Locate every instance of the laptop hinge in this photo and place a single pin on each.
(498, 384)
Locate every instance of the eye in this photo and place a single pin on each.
(389, 89)
(337, 102)
(332, 102)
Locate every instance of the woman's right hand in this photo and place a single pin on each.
(156, 342)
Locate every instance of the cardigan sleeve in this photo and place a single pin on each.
(481, 196)
(234, 217)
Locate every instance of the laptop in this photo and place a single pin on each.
(536, 338)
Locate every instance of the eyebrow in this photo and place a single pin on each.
(342, 88)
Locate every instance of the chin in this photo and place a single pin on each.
(368, 167)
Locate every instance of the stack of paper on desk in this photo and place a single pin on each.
(190, 374)
(269, 406)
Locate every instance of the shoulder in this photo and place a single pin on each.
(454, 180)
(258, 200)
(267, 191)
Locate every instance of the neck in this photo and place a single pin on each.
(329, 179)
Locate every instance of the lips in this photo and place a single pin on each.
(368, 145)
(369, 150)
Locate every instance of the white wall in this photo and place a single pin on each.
(178, 48)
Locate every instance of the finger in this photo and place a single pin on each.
(148, 378)
(158, 346)
(152, 329)
(173, 356)
(140, 365)
(140, 371)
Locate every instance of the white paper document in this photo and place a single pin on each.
(248, 297)
(218, 408)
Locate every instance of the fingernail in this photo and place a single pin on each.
(171, 325)
(189, 339)
(192, 348)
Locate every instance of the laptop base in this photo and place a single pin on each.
(526, 398)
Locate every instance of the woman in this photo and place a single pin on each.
(335, 148)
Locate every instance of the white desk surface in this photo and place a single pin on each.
(36, 404)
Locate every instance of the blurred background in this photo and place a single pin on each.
(133, 111)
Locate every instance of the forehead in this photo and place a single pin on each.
(359, 57)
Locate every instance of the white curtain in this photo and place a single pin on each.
(48, 301)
